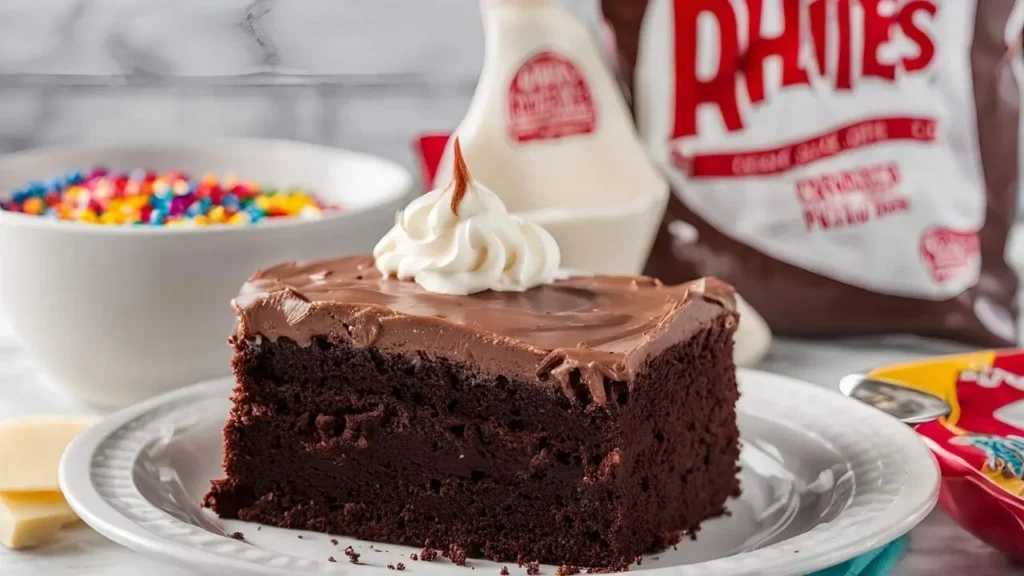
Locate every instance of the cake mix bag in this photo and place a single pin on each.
(849, 165)
(980, 445)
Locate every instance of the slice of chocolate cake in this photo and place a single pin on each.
(582, 422)
(475, 404)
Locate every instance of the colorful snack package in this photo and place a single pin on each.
(849, 165)
(980, 445)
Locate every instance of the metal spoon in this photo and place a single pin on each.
(908, 405)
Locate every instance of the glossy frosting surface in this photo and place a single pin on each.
(602, 325)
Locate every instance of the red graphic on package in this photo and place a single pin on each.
(979, 447)
(549, 98)
(986, 431)
(784, 158)
(948, 253)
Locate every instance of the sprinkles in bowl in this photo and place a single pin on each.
(172, 199)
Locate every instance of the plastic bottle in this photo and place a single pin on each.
(549, 131)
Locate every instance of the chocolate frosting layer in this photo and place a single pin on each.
(602, 326)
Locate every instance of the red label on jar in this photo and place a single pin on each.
(549, 98)
(948, 253)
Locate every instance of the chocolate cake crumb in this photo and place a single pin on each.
(428, 554)
(533, 568)
(331, 559)
(399, 566)
(238, 536)
(300, 536)
(639, 559)
(457, 555)
(334, 541)
(414, 556)
(391, 566)
(566, 570)
(258, 528)
(353, 556)
(504, 571)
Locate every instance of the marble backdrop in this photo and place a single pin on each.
(361, 74)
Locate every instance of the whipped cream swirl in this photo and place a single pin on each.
(461, 240)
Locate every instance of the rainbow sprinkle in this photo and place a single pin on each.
(172, 198)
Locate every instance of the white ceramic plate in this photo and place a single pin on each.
(824, 479)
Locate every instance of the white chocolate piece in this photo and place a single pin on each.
(28, 519)
(30, 451)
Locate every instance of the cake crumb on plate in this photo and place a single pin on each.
(353, 556)
(457, 554)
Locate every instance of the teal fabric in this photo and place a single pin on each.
(878, 562)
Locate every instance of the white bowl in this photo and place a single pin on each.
(118, 314)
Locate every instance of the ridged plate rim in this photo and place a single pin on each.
(895, 478)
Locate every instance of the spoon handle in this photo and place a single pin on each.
(907, 404)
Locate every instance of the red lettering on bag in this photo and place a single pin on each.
(877, 33)
(879, 19)
(916, 35)
(819, 25)
(851, 197)
(771, 161)
(844, 74)
(786, 45)
(720, 90)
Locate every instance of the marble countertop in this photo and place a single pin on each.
(938, 546)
